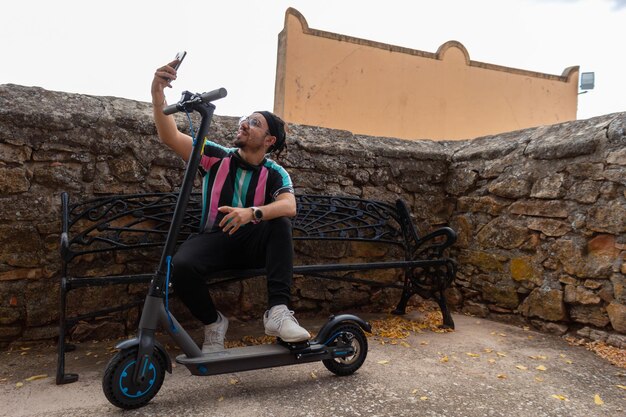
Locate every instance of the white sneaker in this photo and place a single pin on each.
(280, 322)
(214, 335)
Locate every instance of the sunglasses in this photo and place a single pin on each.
(252, 122)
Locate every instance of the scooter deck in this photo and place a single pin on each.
(258, 357)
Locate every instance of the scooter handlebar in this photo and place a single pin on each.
(204, 97)
(213, 95)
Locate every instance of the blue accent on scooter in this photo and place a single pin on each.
(167, 291)
(139, 393)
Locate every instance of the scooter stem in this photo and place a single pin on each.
(206, 111)
(154, 312)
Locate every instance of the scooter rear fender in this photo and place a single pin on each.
(326, 330)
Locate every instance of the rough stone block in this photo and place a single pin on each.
(485, 261)
(608, 218)
(503, 233)
(544, 303)
(593, 334)
(617, 157)
(580, 295)
(475, 309)
(510, 187)
(558, 329)
(525, 269)
(13, 180)
(554, 144)
(617, 315)
(487, 204)
(96, 331)
(549, 227)
(503, 293)
(585, 192)
(595, 315)
(540, 208)
(548, 187)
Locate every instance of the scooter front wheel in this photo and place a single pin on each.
(118, 384)
(348, 335)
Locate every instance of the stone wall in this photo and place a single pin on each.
(541, 213)
(541, 216)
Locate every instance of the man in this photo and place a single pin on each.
(247, 200)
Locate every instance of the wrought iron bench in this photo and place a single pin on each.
(97, 232)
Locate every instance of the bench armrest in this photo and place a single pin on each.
(426, 242)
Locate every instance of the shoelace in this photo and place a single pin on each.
(213, 336)
(282, 315)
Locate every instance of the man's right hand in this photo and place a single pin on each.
(163, 77)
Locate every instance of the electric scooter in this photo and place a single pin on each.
(135, 374)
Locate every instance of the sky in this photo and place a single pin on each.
(112, 48)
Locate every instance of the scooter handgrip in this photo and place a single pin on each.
(213, 95)
(171, 109)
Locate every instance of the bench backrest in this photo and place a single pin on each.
(136, 221)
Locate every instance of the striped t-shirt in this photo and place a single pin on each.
(228, 180)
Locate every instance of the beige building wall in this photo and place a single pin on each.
(341, 82)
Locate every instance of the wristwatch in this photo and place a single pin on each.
(257, 215)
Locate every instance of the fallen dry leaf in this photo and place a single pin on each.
(560, 397)
(501, 376)
(487, 350)
(313, 376)
(621, 386)
(538, 357)
(414, 391)
(424, 398)
(538, 379)
(491, 360)
(541, 368)
(19, 384)
(444, 359)
(220, 399)
(423, 343)
(522, 367)
(502, 354)
(613, 354)
(597, 400)
(473, 355)
(405, 344)
(35, 377)
(385, 362)
(233, 381)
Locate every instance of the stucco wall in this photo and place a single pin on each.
(366, 87)
(541, 213)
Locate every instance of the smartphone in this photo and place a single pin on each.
(179, 57)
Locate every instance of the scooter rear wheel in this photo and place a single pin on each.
(118, 384)
(349, 335)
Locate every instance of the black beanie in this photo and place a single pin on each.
(276, 128)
